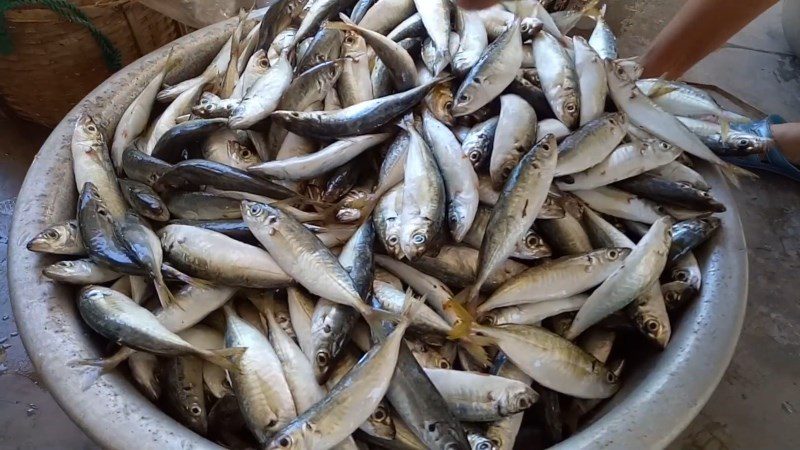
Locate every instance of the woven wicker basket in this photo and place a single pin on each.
(55, 63)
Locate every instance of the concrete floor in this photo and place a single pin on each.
(757, 404)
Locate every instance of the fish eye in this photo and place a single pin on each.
(444, 364)
(743, 143)
(474, 156)
(245, 153)
(209, 107)
(285, 441)
(612, 121)
(610, 377)
(532, 240)
(264, 63)
(195, 409)
(102, 212)
(664, 145)
(322, 358)
(350, 39)
(613, 254)
(431, 427)
(51, 234)
(484, 446)
(379, 414)
(651, 325)
(418, 239)
(524, 403)
(545, 147)
(463, 97)
(448, 104)
(681, 275)
(256, 210)
(392, 240)
(570, 107)
(91, 128)
(506, 172)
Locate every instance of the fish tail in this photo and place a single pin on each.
(98, 366)
(464, 320)
(733, 173)
(410, 307)
(164, 294)
(226, 358)
(591, 9)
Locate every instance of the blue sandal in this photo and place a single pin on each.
(773, 161)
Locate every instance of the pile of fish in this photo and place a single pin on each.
(393, 224)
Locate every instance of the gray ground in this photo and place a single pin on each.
(757, 404)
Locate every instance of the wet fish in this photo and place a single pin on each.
(591, 79)
(602, 39)
(531, 246)
(351, 401)
(532, 313)
(618, 203)
(479, 142)
(457, 266)
(625, 162)
(144, 200)
(60, 239)
(477, 397)
(184, 140)
(689, 234)
(560, 278)
(423, 210)
(460, 180)
(263, 96)
(515, 134)
(667, 191)
(183, 389)
(355, 120)
(80, 271)
(142, 167)
(91, 162)
(591, 144)
(522, 198)
(728, 142)
(559, 78)
(492, 74)
(642, 267)
(213, 256)
(200, 172)
(259, 382)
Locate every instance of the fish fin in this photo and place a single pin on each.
(733, 173)
(343, 17)
(591, 10)
(602, 12)
(733, 117)
(463, 325)
(220, 357)
(172, 61)
(180, 276)
(725, 128)
(616, 367)
(660, 87)
(343, 26)
(164, 294)
(301, 201)
(99, 366)
(475, 350)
